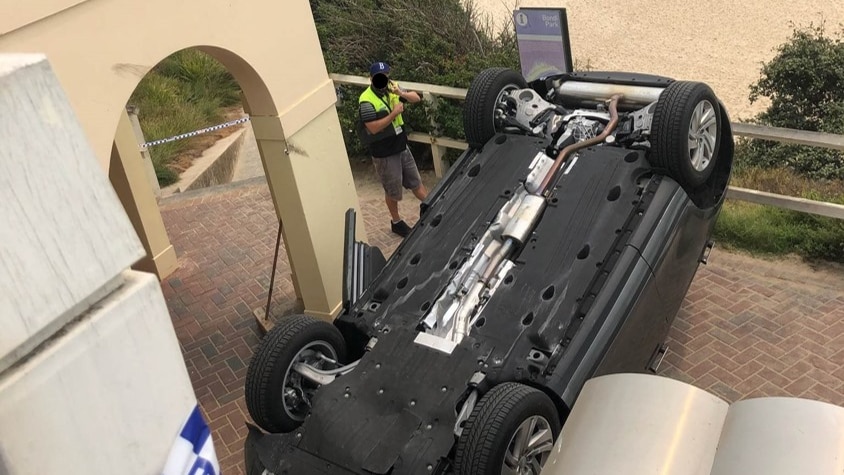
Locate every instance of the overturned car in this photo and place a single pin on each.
(559, 247)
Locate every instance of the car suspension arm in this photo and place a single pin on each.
(322, 376)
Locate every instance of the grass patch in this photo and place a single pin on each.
(186, 91)
(769, 230)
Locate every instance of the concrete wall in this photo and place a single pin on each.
(100, 49)
(215, 166)
(92, 379)
(50, 266)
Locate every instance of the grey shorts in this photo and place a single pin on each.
(397, 171)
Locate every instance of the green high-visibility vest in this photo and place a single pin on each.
(381, 105)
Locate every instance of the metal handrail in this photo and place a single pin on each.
(776, 134)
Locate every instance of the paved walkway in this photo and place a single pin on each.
(748, 327)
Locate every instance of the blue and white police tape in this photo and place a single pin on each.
(193, 451)
(196, 132)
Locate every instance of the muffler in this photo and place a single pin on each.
(584, 94)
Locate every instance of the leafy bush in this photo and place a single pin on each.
(803, 83)
(184, 92)
(438, 42)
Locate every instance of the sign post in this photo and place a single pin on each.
(543, 38)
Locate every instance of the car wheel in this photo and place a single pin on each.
(510, 431)
(482, 100)
(686, 132)
(278, 398)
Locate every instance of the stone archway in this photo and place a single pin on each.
(100, 50)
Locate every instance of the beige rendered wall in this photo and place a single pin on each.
(100, 49)
(129, 178)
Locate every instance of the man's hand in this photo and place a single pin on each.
(409, 96)
(375, 126)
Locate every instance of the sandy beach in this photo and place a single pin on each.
(720, 42)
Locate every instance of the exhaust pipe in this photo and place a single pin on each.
(564, 153)
(588, 93)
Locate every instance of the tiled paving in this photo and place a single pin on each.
(748, 327)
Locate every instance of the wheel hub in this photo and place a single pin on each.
(297, 390)
(499, 113)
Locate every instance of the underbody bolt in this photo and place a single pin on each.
(430, 467)
(428, 426)
(412, 402)
(381, 391)
(346, 395)
(444, 389)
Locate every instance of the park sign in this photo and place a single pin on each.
(543, 38)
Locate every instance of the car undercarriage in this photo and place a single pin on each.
(559, 247)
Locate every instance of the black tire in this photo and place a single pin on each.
(493, 423)
(269, 366)
(481, 98)
(670, 132)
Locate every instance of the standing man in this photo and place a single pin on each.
(381, 106)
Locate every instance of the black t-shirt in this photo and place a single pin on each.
(392, 143)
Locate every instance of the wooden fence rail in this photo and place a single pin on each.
(432, 92)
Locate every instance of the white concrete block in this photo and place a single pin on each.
(639, 424)
(781, 436)
(106, 395)
(63, 232)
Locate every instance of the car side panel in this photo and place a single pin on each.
(639, 332)
(647, 324)
(637, 311)
(582, 354)
(675, 261)
(671, 243)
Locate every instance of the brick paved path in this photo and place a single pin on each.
(748, 327)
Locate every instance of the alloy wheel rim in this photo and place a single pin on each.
(703, 131)
(529, 448)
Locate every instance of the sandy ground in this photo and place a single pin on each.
(720, 42)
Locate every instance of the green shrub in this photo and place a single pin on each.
(202, 77)
(165, 175)
(184, 92)
(804, 85)
(438, 42)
